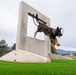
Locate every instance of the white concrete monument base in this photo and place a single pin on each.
(23, 56)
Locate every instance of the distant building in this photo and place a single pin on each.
(71, 55)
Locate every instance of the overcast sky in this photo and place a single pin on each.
(62, 13)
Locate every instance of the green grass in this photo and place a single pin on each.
(56, 67)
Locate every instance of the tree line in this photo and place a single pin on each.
(4, 48)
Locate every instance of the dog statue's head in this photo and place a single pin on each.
(58, 32)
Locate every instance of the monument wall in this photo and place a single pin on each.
(40, 47)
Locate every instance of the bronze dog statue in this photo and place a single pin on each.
(51, 32)
(48, 31)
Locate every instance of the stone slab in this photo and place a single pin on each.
(24, 56)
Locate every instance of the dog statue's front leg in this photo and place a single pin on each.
(55, 41)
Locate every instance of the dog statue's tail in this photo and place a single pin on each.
(36, 19)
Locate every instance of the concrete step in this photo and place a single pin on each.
(24, 56)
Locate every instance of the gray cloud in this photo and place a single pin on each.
(61, 12)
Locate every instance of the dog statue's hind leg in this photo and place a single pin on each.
(35, 34)
(53, 49)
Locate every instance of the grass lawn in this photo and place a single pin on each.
(56, 67)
